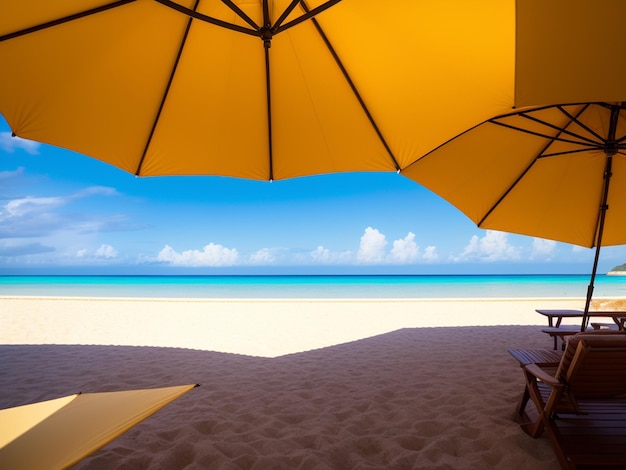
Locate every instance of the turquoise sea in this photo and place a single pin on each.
(317, 286)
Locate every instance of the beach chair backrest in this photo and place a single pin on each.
(594, 365)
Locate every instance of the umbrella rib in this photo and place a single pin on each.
(208, 19)
(354, 89)
(563, 130)
(540, 155)
(241, 14)
(309, 14)
(165, 94)
(567, 152)
(592, 144)
(65, 19)
(560, 129)
(285, 14)
(508, 190)
(581, 124)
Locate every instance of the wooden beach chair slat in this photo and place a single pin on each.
(582, 404)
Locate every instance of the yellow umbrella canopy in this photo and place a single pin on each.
(538, 172)
(58, 433)
(258, 89)
(553, 165)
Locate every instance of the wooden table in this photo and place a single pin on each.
(557, 331)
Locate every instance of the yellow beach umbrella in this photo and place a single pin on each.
(554, 165)
(58, 433)
(258, 89)
(274, 89)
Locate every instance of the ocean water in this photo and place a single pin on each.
(336, 287)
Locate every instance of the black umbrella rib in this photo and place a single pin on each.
(569, 152)
(564, 130)
(241, 14)
(354, 90)
(208, 19)
(589, 142)
(537, 157)
(581, 124)
(509, 189)
(526, 114)
(65, 19)
(284, 15)
(542, 153)
(309, 14)
(165, 94)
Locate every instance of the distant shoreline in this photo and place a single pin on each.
(328, 286)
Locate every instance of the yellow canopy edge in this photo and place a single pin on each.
(57, 434)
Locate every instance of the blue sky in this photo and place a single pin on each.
(64, 213)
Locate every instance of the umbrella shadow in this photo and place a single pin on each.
(414, 397)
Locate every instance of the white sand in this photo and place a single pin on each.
(289, 384)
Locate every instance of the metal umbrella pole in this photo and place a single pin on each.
(610, 149)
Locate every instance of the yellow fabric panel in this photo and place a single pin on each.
(521, 179)
(615, 225)
(214, 120)
(319, 125)
(82, 426)
(570, 51)
(552, 195)
(473, 171)
(20, 15)
(17, 420)
(92, 85)
(95, 85)
(427, 70)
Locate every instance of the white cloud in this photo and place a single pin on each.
(10, 144)
(94, 191)
(430, 254)
(25, 205)
(103, 252)
(494, 246)
(262, 257)
(323, 256)
(542, 248)
(106, 251)
(211, 255)
(372, 247)
(29, 204)
(404, 251)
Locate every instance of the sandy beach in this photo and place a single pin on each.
(289, 384)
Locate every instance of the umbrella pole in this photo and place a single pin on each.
(610, 149)
(585, 321)
(603, 208)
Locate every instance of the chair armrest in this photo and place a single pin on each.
(542, 375)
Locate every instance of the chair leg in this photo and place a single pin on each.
(520, 412)
(534, 429)
(545, 409)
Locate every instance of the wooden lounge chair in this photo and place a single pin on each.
(580, 401)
